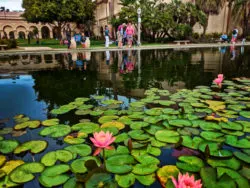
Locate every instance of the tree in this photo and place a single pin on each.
(242, 8)
(209, 7)
(58, 12)
(160, 19)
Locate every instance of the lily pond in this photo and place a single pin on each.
(165, 113)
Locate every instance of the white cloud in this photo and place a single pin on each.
(11, 4)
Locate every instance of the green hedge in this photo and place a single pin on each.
(11, 43)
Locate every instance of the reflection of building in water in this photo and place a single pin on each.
(29, 62)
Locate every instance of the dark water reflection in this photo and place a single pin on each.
(35, 84)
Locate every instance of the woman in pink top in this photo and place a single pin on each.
(130, 32)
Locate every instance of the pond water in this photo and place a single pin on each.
(35, 84)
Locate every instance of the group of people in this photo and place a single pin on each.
(125, 34)
(235, 32)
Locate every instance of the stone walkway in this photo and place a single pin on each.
(99, 49)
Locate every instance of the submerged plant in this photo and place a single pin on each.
(102, 141)
(186, 181)
(218, 81)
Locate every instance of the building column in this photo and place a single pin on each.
(1, 34)
(40, 34)
(15, 34)
(50, 34)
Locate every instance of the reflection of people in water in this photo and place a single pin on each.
(128, 63)
(223, 49)
(242, 50)
(107, 53)
(233, 52)
(77, 60)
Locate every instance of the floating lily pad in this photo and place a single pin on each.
(82, 112)
(27, 124)
(230, 163)
(50, 122)
(21, 120)
(34, 146)
(98, 97)
(111, 101)
(102, 179)
(5, 130)
(50, 159)
(152, 129)
(137, 115)
(188, 131)
(180, 123)
(144, 169)
(192, 143)
(125, 120)
(137, 104)
(231, 126)
(78, 138)
(8, 146)
(165, 173)
(209, 126)
(78, 165)
(110, 112)
(72, 183)
(170, 111)
(168, 136)
(113, 130)
(116, 124)
(213, 136)
(157, 143)
(2, 160)
(80, 149)
(154, 112)
(146, 180)
(85, 127)
(24, 173)
(126, 180)
(242, 156)
(241, 181)
(152, 119)
(10, 166)
(232, 132)
(209, 179)
(190, 163)
(105, 119)
(121, 137)
(121, 150)
(85, 107)
(138, 135)
(56, 131)
(165, 102)
(54, 175)
(241, 143)
(119, 164)
(246, 125)
(63, 109)
(96, 113)
(216, 105)
(245, 172)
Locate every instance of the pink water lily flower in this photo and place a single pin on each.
(218, 81)
(102, 141)
(186, 181)
(221, 76)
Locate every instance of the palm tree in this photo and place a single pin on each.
(209, 7)
(242, 8)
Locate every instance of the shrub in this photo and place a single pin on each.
(248, 38)
(196, 35)
(11, 43)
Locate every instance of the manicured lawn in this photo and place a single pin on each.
(53, 43)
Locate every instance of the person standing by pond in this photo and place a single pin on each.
(234, 35)
(130, 32)
(68, 35)
(106, 33)
(120, 32)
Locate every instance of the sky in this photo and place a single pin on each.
(12, 4)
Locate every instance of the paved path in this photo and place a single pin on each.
(37, 50)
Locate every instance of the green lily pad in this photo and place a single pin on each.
(245, 172)
(8, 146)
(190, 163)
(168, 136)
(170, 111)
(126, 180)
(82, 112)
(72, 183)
(180, 123)
(80, 149)
(105, 119)
(100, 179)
(246, 125)
(138, 135)
(10, 166)
(165, 102)
(50, 159)
(34, 146)
(82, 99)
(116, 124)
(241, 181)
(96, 113)
(157, 143)
(24, 173)
(231, 126)
(192, 143)
(147, 159)
(242, 156)
(54, 175)
(111, 101)
(85, 127)
(188, 131)
(113, 130)
(56, 131)
(230, 163)
(6, 130)
(231, 132)
(2, 160)
(146, 180)
(213, 136)
(78, 165)
(199, 105)
(125, 120)
(152, 119)
(27, 124)
(165, 173)
(50, 122)
(154, 112)
(152, 129)
(119, 164)
(63, 109)
(137, 115)
(110, 112)
(241, 143)
(137, 104)
(22, 120)
(121, 137)
(124, 112)
(209, 126)
(153, 150)
(85, 107)
(98, 97)
(144, 169)
(77, 138)
(121, 150)
(209, 179)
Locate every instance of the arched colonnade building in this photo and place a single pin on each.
(12, 25)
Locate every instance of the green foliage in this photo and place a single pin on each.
(11, 43)
(160, 20)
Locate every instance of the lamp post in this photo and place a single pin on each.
(139, 26)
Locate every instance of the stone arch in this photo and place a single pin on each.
(21, 32)
(31, 31)
(8, 31)
(21, 35)
(45, 32)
